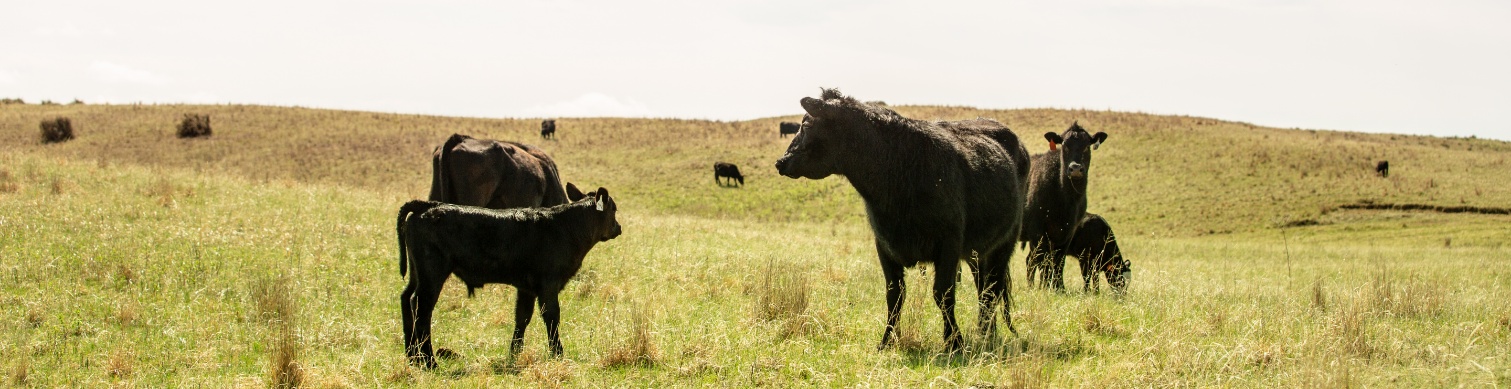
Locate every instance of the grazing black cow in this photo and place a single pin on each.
(494, 174)
(935, 192)
(1057, 202)
(1383, 168)
(1099, 254)
(537, 250)
(729, 171)
(548, 129)
(789, 128)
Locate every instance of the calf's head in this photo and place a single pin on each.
(1075, 145)
(818, 148)
(604, 224)
(1119, 274)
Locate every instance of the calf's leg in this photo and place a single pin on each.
(550, 311)
(524, 309)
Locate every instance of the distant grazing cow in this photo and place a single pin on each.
(1057, 202)
(548, 129)
(935, 192)
(1099, 254)
(789, 128)
(537, 250)
(1383, 168)
(729, 171)
(494, 174)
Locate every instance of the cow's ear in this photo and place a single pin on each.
(573, 194)
(1054, 140)
(816, 107)
(1099, 137)
(603, 197)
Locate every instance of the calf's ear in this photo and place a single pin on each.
(1099, 137)
(603, 197)
(573, 194)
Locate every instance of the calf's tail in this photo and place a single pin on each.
(411, 207)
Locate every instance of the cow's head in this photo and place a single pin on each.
(604, 210)
(817, 149)
(1075, 145)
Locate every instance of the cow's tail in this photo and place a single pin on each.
(411, 207)
(441, 188)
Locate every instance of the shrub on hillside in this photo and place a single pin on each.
(9, 101)
(194, 125)
(56, 130)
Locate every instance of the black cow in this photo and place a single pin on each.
(537, 250)
(548, 129)
(1383, 168)
(729, 171)
(1099, 254)
(789, 128)
(1057, 202)
(935, 192)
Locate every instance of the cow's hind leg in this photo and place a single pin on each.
(408, 304)
(946, 275)
(524, 310)
(426, 294)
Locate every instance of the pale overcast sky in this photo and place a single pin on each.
(1422, 67)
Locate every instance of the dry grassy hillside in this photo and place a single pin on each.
(1156, 175)
(265, 253)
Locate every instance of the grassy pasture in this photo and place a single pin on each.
(134, 258)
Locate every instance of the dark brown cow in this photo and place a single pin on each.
(935, 192)
(494, 174)
(1383, 168)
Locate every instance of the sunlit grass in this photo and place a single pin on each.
(134, 258)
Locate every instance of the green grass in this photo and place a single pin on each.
(134, 258)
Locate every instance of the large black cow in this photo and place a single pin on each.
(789, 128)
(1383, 168)
(1099, 254)
(729, 172)
(537, 250)
(1057, 202)
(548, 129)
(935, 192)
(494, 174)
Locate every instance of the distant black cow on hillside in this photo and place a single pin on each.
(548, 129)
(1383, 168)
(789, 128)
(729, 172)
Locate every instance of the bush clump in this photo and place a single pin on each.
(56, 130)
(194, 125)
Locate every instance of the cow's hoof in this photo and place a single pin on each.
(423, 361)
